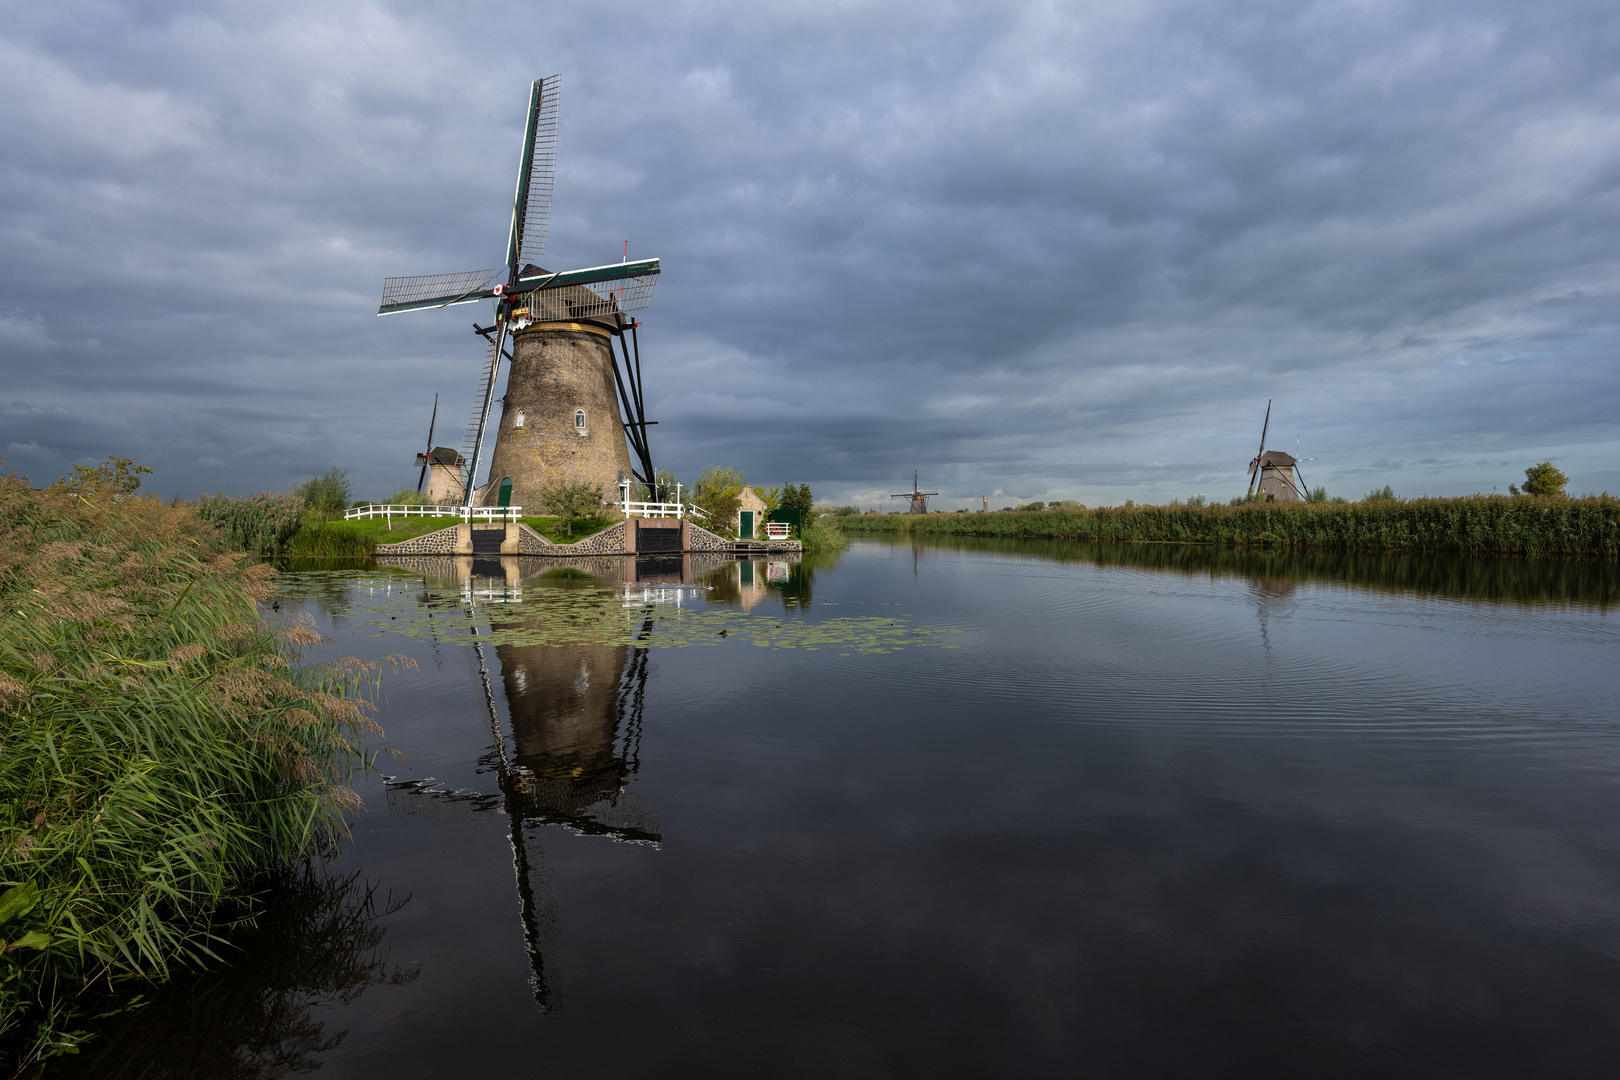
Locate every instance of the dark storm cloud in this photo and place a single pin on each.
(1040, 250)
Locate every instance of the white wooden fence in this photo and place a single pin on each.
(394, 510)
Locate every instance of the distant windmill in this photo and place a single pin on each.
(441, 467)
(425, 459)
(561, 416)
(918, 497)
(1273, 469)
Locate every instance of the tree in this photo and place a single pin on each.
(798, 498)
(719, 493)
(326, 495)
(1317, 495)
(119, 474)
(1544, 479)
(569, 501)
(771, 497)
(1375, 494)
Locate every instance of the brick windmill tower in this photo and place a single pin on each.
(561, 418)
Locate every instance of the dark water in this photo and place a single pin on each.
(1150, 813)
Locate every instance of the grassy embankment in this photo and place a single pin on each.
(1473, 525)
(163, 750)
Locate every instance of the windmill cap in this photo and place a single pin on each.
(1277, 457)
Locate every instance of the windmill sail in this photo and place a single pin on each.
(537, 173)
(472, 441)
(596, 292)
(434, 290)
(427, 458)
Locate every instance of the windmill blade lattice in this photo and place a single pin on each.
(537, 175)
(434, 290)
(472, 440)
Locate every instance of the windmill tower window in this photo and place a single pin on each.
(579, 422)
(518, 421)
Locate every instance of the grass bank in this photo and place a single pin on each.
(1474, 525)
(163, 750)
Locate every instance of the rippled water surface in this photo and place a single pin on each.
(953, 810)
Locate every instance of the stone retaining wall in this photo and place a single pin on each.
(610, 541)
(531, 542)
(700, 539)
(442, 542)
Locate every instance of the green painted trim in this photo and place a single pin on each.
(610, 272)
(437, 301)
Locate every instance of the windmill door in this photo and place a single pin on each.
(745, 525)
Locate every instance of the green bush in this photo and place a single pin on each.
(1544, 479)
(163, 748)
(326, 495)
(570, 501)
(719, 495)
(409, 497)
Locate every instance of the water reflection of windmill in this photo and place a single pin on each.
(576, 717)
(918, 497)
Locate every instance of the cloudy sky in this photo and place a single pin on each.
(1034, 250)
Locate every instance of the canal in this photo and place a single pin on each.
(950, 809)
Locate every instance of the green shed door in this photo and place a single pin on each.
(506, 491)
(745, 525)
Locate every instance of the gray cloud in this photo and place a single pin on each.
(1043, 250)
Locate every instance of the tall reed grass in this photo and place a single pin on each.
(162, 748)
(1474, 525)
(320, 539)
(263, 524)
(822, 534)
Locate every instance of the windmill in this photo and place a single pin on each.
(424, 459)
(560, 418)
(1273, 469)
(918, 497)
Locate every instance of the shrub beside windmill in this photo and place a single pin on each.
(561, 420)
